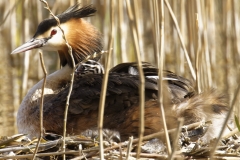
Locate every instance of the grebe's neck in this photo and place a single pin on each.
(54, 82)
(59, 77)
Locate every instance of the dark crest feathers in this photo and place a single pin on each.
(71, 12)
(76, 12)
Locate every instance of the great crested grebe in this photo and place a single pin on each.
(121, 108)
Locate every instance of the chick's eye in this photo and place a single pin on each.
(53, 32)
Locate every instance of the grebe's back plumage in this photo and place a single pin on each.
(121, 108)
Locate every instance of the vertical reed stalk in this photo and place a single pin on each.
(141, 76)
(122, 32)
(41, 105)
(105, 81)
(160, 51)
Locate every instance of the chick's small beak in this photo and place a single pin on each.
(33, 43)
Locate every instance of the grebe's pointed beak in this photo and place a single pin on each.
(32, 44)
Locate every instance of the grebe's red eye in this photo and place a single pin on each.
(53, 32)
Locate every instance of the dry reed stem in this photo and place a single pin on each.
(105, 82)
(72, 76)
(200, 47)
(50, 144)
(181, 39)
(198, 87)
(208, 71)
(237, 42)
(191, 33)
(160, 74)
(159, 44)
(226, 121)
(94, 55)
(25, 30)
(195, 125)
(41, 105)
(141, 75)
(122, 32)
(178, 131)
(142, 155)
(129, 147)
(236, 26)
(206, 80)
(148, 155)
(39, 155)
(153, 31)
(138, 23)
(211, 28)
(182, 26)
(233, 132)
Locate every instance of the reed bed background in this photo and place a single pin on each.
(210, 31)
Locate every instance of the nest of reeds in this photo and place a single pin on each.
(87, 146)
